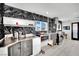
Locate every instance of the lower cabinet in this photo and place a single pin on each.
(26, 48)
(23, 48)
(36, 45)
(14, 50)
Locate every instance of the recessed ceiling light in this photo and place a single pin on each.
(46, 12)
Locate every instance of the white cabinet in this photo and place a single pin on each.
(23, 48)
(36, 45)
(18, 22)
(14, 50)
(28, 47)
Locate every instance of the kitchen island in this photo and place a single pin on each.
(25, 47)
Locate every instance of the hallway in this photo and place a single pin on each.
(66, 48)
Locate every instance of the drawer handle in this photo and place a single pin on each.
(19, 47)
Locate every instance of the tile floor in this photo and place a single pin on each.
(66, 48)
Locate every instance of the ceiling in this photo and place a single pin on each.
(65, 11)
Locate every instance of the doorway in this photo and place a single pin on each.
(75, 31)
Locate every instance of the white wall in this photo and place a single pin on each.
(68, 23)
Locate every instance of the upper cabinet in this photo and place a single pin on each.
(55, 25)
(8, 21)
(52, 25)
(59, 25)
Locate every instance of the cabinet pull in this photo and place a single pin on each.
(19, 47)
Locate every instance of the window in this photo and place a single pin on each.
(66, 27)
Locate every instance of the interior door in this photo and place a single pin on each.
(75, 31)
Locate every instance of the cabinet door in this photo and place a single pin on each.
(26, 48)
(36, 45)
(15, 50)
(23, 48)
(29, 47)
